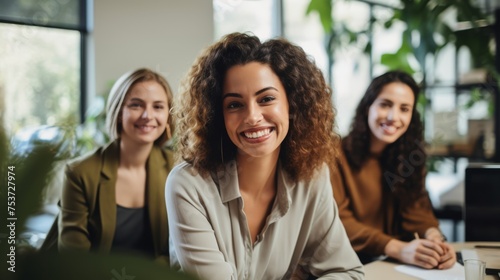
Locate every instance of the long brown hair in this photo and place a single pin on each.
(402, 162)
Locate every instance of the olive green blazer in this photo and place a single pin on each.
(87, 219)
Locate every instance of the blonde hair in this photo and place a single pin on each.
(120, 90)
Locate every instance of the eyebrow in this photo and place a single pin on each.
(390, 101)
(141, 100)
(231, 94)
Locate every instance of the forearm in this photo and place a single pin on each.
(434, 234)
(365, 239)
(393, 248)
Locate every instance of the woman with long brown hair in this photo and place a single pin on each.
(379, 179)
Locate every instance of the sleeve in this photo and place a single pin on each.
(334, 258)
(364, 238)
(73, 219)
(193, 244)
(418, 215)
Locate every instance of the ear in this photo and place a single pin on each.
(168, 131)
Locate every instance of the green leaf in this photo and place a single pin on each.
(396, 61)
(324, 10)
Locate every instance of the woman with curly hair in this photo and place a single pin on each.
(252, 199)
(379, 179)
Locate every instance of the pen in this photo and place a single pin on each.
(487, 247)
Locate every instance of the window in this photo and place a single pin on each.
(42, 62)
(261, 17)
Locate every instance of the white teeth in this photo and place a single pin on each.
(389, 128)
(145, 127)
(258, 134)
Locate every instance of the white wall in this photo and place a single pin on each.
(164, 35)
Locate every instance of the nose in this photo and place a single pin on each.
(393, 114)
(254, 114)
(147, 113)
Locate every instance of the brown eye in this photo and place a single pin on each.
(234, 105)
(267, 99)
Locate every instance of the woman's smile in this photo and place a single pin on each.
(255, 108)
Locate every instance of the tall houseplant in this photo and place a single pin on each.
(426, 32)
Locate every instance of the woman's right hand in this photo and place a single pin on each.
(419, 252)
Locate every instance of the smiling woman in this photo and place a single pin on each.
(255, 129)
(255, 109)
(378, 181)
(145, 113)
(113, 198)
(390, 114)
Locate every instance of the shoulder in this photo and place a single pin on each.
(92, 163)
(184, 181)
(315, 193)
(323, 180)
(163, 156)
(342, 158)
(342, 166)
(322, 175)
(319, 184)
(87, 162)
(183, 173)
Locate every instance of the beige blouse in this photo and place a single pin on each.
(209, 235)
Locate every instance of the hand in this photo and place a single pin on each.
(449, 258)
(419, 252)
(424, 253)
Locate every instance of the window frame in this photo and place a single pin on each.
(83, 27)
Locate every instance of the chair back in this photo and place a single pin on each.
(482, 202)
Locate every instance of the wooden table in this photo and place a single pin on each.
(385, 270)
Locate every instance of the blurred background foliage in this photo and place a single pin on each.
(427, 31)
(428, 27)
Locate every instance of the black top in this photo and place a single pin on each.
(132, 232)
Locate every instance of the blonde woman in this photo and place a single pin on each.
(113, 198)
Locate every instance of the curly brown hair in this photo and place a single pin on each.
(202, 137)
(393, 160)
